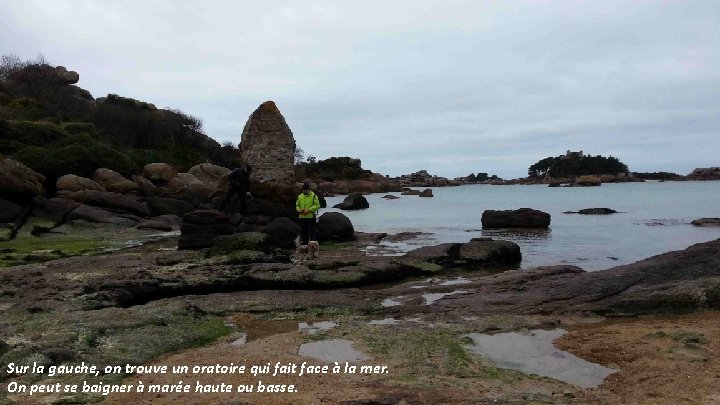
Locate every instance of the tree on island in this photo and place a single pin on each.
(332, 169)
(480, 177)
(572, 165)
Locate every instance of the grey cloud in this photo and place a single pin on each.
(453, 87)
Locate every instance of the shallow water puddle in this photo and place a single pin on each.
(430, 298)
(256, 329)
(386, 321)
(142, 240)
(241, 339)
(392, 302)
(383, 249)
(316, 327)
(332, 350)
(534, 353)
(456, 281)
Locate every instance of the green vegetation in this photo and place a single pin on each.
(333, 246)
(111, 336)
(56, 128)
(50, 150)
(75, 239)
(572, 165)
(657, 175)
(419, 353)
(426, 267)
(480, 177)
(332, 169)
(308, 313)
(26, 248)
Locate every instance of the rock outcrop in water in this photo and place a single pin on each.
(709, 173)
(424, 179)
(355, 201)
(593, 211)
(706, 222)
(520, 218)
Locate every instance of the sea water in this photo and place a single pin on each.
(654, 218)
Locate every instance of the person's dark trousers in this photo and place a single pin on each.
(307, 230)
(241, 192)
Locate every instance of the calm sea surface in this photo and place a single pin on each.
(655, 218)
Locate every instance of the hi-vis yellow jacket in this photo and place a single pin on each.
(308, 202)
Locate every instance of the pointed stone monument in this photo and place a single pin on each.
(267, 144)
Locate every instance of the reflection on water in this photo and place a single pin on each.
(332, 350)
(241, 339)
(661, 222)
(534, 353)
(142, 240)
(456, 281)
(430, 298)
(392, 302)
(256, 329)
(518, 234)
(313, 328)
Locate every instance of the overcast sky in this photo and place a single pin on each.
(454, 87)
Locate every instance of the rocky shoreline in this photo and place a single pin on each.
(152, 292)
(107, 259)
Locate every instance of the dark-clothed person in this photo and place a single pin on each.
(239, 185)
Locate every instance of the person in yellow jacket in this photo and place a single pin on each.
(306, 206)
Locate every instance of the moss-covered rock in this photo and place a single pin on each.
(243, 241)
(424, 267)
(243, 257)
